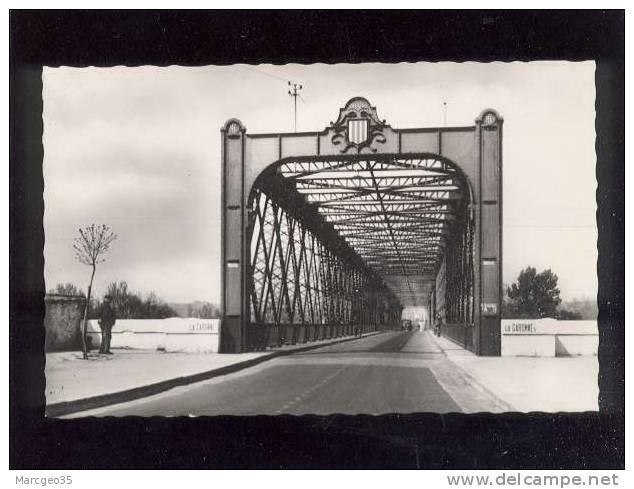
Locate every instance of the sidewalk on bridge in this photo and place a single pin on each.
(74, 384)
(527, 384)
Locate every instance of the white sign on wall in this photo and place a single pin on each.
(519, 328)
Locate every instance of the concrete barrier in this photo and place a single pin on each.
(549, 337)
(576, 338)
(171, 335)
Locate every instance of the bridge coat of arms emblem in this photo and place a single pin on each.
(358, 126)
(357, 130)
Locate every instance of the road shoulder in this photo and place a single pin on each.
(467, 392)
(75, 385)
(529, 384)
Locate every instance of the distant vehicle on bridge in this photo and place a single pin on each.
(406, 325)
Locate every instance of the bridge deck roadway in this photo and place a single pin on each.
(394, 372)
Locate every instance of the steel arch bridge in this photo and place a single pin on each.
(333, 233)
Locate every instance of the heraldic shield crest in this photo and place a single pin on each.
(357, 130)
(358, 126)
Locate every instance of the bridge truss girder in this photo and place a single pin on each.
(396, 213)
(319, 228)
(305, 285)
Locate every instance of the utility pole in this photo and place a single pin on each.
(294, 92)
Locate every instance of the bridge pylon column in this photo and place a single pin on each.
(234, 251)
(488, 249)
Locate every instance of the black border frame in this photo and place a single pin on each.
(431, 441)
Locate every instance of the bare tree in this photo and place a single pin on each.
(120, 298)
(67, 289)
(92, 243)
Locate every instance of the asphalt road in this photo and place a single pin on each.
(394, 372)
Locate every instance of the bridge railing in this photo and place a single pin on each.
(461, 333)
(271, 335)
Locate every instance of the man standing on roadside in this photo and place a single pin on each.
(106, 322)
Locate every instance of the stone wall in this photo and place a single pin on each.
(62, 322)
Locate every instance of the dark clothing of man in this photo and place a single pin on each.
(108, 318)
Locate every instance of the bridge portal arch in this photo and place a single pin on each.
(432, 195)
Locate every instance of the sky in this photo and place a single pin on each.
(139, 150)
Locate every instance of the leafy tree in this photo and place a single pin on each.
(67, 289)
(534, 295)
(90, 246)
(567, 314)
(580, 308)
